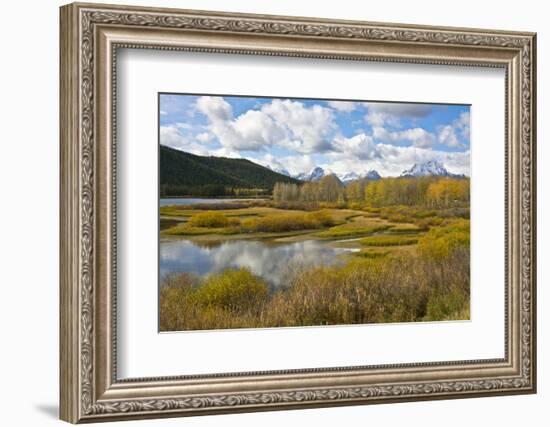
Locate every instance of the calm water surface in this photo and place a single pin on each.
(265, 259)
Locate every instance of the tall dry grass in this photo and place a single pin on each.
(432, 283)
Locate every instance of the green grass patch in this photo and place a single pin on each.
(187, 230)
(358, 226)
(372, 210)
(388, 240)
(284, 222)
(172, 211)
(404, 229)
(213, 219)
(346, 230)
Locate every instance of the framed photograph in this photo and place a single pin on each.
(266, 212)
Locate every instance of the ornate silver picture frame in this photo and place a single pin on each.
(91, 35)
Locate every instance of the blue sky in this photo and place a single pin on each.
(297, 135)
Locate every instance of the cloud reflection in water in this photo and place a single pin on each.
(267, 260)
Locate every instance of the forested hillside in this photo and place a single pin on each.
(183, 174)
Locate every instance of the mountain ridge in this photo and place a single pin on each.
(313, 176)
(429, 168)
(183, 169)
(318, 172)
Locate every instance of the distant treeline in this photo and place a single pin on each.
(209, 190)
(426, 191)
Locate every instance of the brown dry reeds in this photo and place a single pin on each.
(403, 288)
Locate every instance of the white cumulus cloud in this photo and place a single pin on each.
(284, 123)
(457, 134)
(175, 136)
(360, 146)
(419, 137)
(286, 134)
(343, 106)
(215, 108)
(382, 113)
(391, 160)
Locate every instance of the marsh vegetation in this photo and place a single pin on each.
(391, 250)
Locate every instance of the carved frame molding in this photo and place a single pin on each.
(90, 36)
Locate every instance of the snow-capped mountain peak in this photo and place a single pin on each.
(349, 176)
(315, 175)
(429, 168)
(373, 175)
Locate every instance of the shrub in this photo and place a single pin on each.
(176, 300)
(323, 218)
(233, 290)
(231, 299)
(372, 210)
(355, 205)
(424, 213)
(453, 304)
(439, 243)
(362, 291)
(426, 223)
(288, 222)
(367, 289)
(212, 219)
(399, 218)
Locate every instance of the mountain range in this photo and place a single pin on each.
(318, 172)
(429, 168)
(182, 169)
